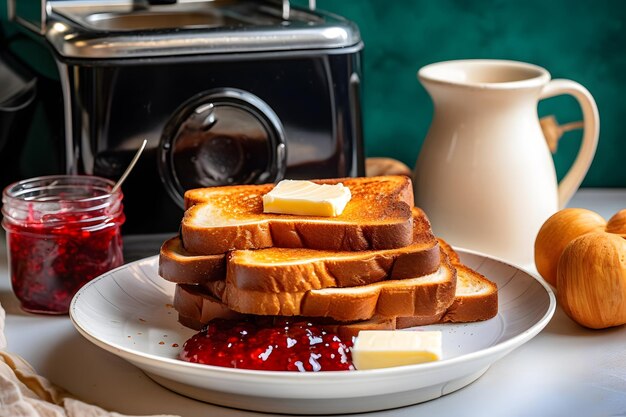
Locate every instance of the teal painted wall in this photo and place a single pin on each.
(581, 40)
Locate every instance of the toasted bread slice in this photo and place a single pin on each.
(221, 219)
(476, 299)
(292, 270)
(308, 269)
(345, 331)
(196, 307)
(424, 295)
(178, 265)
(452, 255)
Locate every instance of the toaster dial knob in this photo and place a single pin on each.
(221, 137)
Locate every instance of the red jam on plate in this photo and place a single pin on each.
(284, 346)
(62, 231)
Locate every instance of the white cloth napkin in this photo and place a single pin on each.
(23, 393)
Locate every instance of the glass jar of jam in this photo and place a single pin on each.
(62, 231)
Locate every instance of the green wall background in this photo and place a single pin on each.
(581, 40)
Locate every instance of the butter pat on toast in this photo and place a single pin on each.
(306, 198)
(378, 216)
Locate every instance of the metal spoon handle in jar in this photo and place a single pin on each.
(130, 167)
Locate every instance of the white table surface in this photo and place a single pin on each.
(564, 371)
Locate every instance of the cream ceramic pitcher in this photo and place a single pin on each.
(485, 175)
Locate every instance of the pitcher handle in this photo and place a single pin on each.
(591, 119)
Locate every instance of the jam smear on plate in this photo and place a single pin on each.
(297, 346)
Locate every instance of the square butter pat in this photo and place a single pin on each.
(306, 198)
(384, 349)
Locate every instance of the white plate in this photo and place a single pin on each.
(128, 312)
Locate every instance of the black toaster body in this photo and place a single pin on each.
(243, 103)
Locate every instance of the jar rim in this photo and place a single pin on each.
(19, 189)
(56, 200)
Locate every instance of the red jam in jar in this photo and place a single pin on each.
(62, 231)
(283, 346)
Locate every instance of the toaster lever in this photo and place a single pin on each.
(287, 8)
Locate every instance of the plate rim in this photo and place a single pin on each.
(500, 348)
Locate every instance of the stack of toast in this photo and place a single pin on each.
(375, 266)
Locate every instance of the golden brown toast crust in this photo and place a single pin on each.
(429, 294)
(385, 184)
(467, 306)
(289, 270)
(314, 271)
(384, 283)
(178, 265)
(195, 303)
(225, 218)
(473, 307)
(196, 307)
(452, 255)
